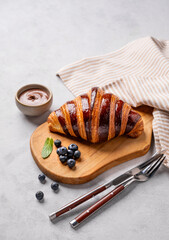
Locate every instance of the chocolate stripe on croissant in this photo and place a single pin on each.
(118, 115)
(93, 97)
(96, 116)
(61, 119)
(73, 116)
(104, 117)
(133, 118)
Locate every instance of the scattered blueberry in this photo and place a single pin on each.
(55, 186)
(61, 151)
(69, 153)
(39, 195)
(77, 154)
(63, 158)
(57, 143)
(73, 147)
(71, 163)
(42, 177)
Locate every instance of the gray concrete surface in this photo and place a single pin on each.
(36, 39)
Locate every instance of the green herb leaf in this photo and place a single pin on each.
(47, 148)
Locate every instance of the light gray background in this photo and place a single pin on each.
(36, 39)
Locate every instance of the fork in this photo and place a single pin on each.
(142, 176)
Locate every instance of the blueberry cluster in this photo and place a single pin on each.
(69, 155)
(54, 186)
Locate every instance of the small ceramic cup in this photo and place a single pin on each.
(33, 110)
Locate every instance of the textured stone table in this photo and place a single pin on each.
(36, 39)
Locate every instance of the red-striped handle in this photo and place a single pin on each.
(98, 204)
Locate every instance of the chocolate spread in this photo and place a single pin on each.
(33, 97)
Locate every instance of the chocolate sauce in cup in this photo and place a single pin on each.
(34, 99)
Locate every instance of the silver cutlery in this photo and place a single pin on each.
(142, 176)
(143, 171)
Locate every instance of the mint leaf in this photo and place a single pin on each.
(47, 148)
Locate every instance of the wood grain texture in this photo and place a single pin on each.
(95, 158)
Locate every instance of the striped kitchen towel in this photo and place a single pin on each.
(138, 73)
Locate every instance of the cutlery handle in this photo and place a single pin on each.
(77, 202)
(80, 218)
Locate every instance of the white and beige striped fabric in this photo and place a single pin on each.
(138, 73)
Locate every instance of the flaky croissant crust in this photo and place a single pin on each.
(96, 117)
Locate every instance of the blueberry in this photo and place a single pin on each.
(73, 147)
(63, 158)
(55, 186)
(61, 151)
(71, 163)
(39, 195)
(69, 153)
(77, 154)
(57, 143)
(42, 177)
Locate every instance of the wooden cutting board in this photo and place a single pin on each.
(95, 158)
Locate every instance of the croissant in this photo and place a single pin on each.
(96, 117)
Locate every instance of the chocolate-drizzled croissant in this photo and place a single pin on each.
(96, 117)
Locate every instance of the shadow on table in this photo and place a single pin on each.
(38, 120)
